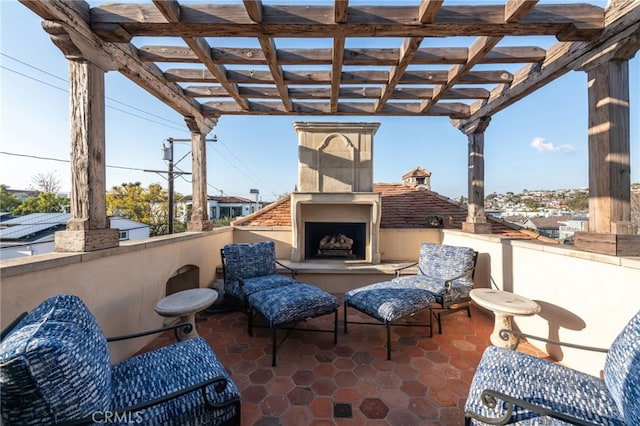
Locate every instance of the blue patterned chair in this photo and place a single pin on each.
(248, 268)
(55, 368)
(390, 303)
(445, 271)
(510, 387)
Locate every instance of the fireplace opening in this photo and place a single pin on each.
(335, 240)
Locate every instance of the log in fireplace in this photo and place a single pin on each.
(335, 240)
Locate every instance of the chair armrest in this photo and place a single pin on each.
(397, 270)
(186, 328)
(490, 399)
(230, 276)
(504, 335)
(449, 282)
(12, 325)
(219, 383)
(292, 271)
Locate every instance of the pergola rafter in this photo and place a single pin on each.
(418, 77)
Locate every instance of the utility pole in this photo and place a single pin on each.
(167, 155)
(170, 185)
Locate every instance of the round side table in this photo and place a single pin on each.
(504, 305)
(185, 304)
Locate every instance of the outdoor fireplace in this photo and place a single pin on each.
(328, 240)
(334, 202)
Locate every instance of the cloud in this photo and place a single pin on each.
(542, 146)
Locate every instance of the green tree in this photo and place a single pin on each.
(44, 202)
(145, 205)
(8, 201)
(580, 202)
(532, 204)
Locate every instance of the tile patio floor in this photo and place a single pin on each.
(425, 383)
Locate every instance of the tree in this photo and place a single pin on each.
(44, 202)
(580, 202)
(144, 205)
(8, 201)
(46, 182)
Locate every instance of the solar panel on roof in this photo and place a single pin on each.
(39, 218)
(21, 231)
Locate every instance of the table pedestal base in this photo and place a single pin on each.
(502, 321)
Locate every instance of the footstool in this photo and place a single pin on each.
(389, 302)
(293, 303)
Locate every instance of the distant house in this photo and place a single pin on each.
(34, 233)
(547, 226)
(418, 176)
(226, 206)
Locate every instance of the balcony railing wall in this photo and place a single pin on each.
(120, 286)
(586, 298)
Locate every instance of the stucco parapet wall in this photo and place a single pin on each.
(562, 250)
(23, 265)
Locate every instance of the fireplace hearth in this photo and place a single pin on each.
(326, 240)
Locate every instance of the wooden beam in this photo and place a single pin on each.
(477, 50)
(622, 24)
(214, 20)
(304, 77)
(365, 92)
(407, 51)
(216, 108)
(373, 57)
(340, 8)
(200, 47)
(514, 10)
(125, 56)
(269, 49)
(428, 10)
(336, 70)
(254, 9)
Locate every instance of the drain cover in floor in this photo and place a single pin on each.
(342, 410)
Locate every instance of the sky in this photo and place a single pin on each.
(538, 143)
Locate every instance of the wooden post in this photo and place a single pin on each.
(89, 228)
(611, 230)
(476, 222)
(200, 201)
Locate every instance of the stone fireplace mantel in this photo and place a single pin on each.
(335, 184)
(336, 207)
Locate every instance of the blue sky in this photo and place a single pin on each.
(538, 143)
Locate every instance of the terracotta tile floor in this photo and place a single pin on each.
(425, 382)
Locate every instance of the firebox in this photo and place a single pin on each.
(335, 240)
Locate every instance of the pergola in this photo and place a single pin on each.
(468, 84)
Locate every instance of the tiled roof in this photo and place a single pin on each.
(417, 172)
(403, 206)
(275, 214)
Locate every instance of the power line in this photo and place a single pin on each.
(250, 171)
(108, 106)
(37, 157)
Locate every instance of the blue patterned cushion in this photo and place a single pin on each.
(435, 285)
(543, 383)
(55, 365)
(252, 285)
(293, 303)
(247, 260)
(444, 261)
(184, 364)
(389, 301)
(622, 371)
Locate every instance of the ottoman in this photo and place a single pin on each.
(389, 302)
(290, 304)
